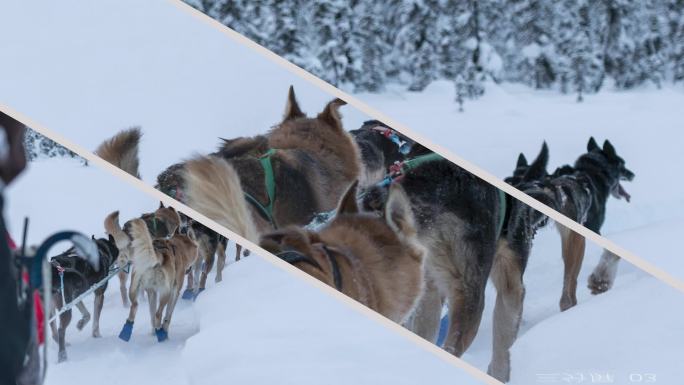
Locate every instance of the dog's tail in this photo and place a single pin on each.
(144, 255)
(121, 150)
(213, 188)
(113, 228)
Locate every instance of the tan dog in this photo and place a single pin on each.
(159, 267)
(162, 223)
(314, 161)
(374, 260)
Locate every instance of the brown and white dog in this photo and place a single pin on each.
(313, 160)
(162, 223)
(159, 267)
(377, 261)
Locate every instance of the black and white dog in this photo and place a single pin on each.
(71, 277)
(580, 192)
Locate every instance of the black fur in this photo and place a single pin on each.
(438, 191)
(602, 170)
(79, 275)
(579, 192)
(377, 151)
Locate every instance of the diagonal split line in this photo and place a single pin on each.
(607, 244)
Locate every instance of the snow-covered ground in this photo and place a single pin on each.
(92, 69)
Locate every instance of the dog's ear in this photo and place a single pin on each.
(292, 110)
(161, 204)
(522, 161)
(398, 212)
(92, 237)
(592, 145)
(609, 150)
(111, 238)
(537, 169)
(348, 202)
(331, 115)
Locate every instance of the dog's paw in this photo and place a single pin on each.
(96, 334)
(82, 322)
(567, 302)
(599, 283)
(61, 356)
(500, 371)
(162, 335)
(126, 331)
(188, 294)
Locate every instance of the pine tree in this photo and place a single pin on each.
(532, 59)
(416, 42)
(675, 10)
(331, 23)
(368, 70)
(572, 45)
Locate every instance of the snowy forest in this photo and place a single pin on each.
(573, 46)
(38, 147)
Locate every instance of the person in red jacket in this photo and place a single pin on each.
(15, 331)
(37, 301)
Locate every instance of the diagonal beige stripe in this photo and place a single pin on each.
(148, 189)
(472, 168)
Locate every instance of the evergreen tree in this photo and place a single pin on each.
(676, 33)
(331, 21)
(368, 70)
(416, 42)
(571, 45)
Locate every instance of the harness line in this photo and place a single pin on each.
(66, 307)
(396, 171)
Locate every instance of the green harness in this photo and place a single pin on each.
(269, 181)
(502, 212)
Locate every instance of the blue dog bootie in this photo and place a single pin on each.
(126, 331)
(188, 294)
(162, 335)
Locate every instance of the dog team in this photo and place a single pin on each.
(407, 233)
(159, 248)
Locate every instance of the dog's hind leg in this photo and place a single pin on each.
(603, 276)
(238, 251)
(123, 277)
(85, 315)
(466, 304)
(159, 331)
(170, 307)
(196, 272)
(97, 310)
(573, 253)
(55, 304)
(221, 258)
(208, 251)
(64, 320)
(425, 319)
(470, 260)
(127, 329)
(507, 278)
(152, 301)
